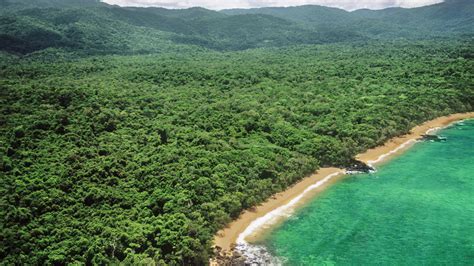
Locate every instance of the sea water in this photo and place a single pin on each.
(417, 209)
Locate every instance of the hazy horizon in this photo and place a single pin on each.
(349, 5)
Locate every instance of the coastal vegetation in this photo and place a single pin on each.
(124, 141)
(402, 214)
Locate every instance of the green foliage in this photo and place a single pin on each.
(89, 27)
(12, 5)
(126, 139)
(141, 159)
(444, 19)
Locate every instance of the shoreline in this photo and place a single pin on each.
(251, 223)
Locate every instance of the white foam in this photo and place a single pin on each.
(282, 211)
(286, 210)
(385, 155)
(429, 131)
(258, 255)
(403, 146)
(436, 129)
(461, 122)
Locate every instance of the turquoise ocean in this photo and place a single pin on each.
(417, 209)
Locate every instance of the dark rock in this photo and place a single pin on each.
(428, 137)
(256, 255)
(228, 257)
(357, 166)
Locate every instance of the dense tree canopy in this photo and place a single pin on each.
(133, 135)
(92, 27)
(144, 158)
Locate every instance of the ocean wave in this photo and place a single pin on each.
(257, 255)
(386, 155)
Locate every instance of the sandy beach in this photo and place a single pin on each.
(252, 222)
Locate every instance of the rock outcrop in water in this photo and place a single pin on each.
(231, 257)
(357, 167)
(243, 255)
(428, 137)
(257, 255)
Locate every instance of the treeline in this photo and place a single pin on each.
(93, 28)
(141, 159)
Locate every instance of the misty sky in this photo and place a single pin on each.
(223, 4)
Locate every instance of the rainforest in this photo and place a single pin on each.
(132, 135)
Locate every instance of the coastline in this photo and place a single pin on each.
(252, 222)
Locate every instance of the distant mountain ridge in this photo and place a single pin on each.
(24, 4)
(451, 12)
(92, 26)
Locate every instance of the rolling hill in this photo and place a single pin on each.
(131, 136)
(73, 25)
